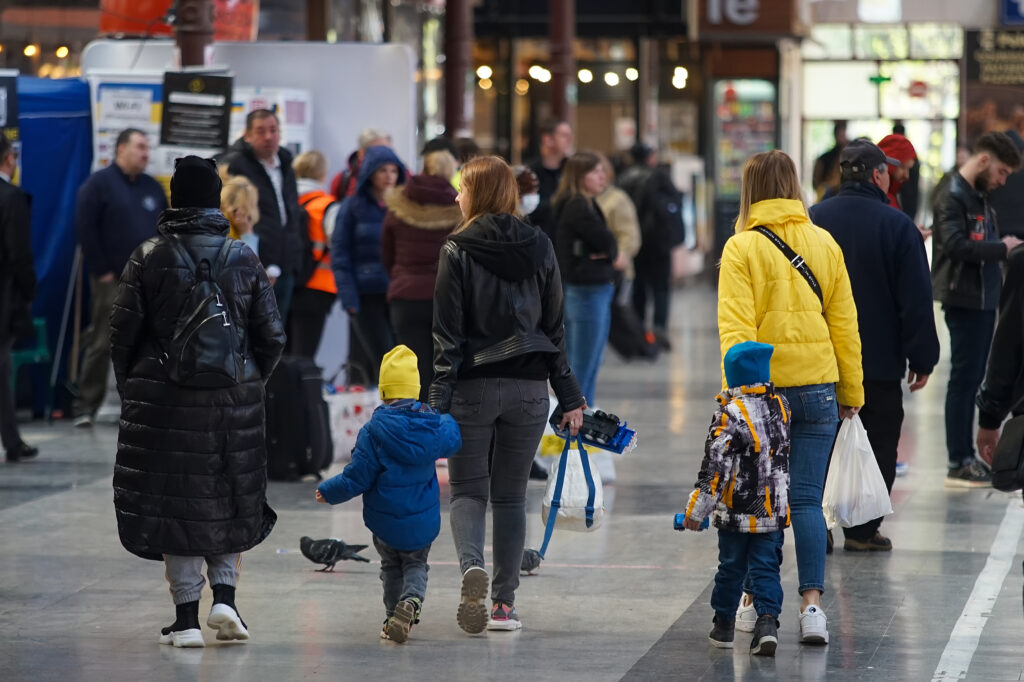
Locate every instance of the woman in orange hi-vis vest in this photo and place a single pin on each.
(312, 301)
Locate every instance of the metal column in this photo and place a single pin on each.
(193, 30)
(563, 59)
(458, 39)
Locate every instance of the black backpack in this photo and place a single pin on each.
(205, 350)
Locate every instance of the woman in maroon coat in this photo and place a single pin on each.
(421, 215)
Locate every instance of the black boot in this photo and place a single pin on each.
(184, 631)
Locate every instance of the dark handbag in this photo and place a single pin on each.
(795, 260)
(1008, 457)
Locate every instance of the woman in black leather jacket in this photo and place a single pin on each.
(190, 477)
(498, 340)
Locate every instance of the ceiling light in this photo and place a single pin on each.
(585, 75)
(632, 74)
(484, 72)
(31, 50)
(485, 84)
(62, 52)
(611, 78)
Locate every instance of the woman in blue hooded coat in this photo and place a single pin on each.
(356, 258)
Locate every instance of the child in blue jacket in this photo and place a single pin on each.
(743, 486)
(393, 468)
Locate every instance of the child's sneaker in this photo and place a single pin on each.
(407, 613)
(766, 636)
(746, 616)
(384, 630)
(813, 628)
(723, 633)
(504, 617)
(228, 624)
(183, 639)
(472, 614)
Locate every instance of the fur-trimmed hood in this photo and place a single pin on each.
(425, 202)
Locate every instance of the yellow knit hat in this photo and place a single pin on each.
(399, 376)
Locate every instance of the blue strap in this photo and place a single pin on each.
(591, 486)
(556, 497)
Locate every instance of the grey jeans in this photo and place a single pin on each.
(510, 413)
(404, 574)
(185, 574)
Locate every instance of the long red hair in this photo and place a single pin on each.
(491, 186)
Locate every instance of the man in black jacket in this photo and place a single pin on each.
(258, 155)
(17, 288)
(967, 256)
(888, 270)
(117, 210)
(555, 146)
(659, 207)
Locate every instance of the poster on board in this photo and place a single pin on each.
(294, 109)
(993, 77)
(9, 113)
(196, 111)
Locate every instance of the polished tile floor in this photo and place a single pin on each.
(629, 601)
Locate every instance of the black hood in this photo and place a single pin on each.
(192, 221)
(504, 245)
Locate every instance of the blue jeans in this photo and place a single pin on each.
(588, 316)
(404, 574)
(970, 335)
(758, 557)
(813, 431)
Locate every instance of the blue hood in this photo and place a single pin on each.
(409, 437)
(374, 159)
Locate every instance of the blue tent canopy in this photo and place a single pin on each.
(56, 156)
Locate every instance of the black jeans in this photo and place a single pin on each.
(9, 436)
(371, 330)
(507, 415)
(970, 335)
(882, 415)
(653, 277)
(306, 321)
(413, 322)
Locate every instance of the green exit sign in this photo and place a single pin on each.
(878, 80)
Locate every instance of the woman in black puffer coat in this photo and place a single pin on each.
(190, 479)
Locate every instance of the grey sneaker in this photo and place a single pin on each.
(723, 634)
(472, 615)
(974, 474)
(407, 613)
(766, 636)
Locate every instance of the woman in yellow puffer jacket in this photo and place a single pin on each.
(817, 362)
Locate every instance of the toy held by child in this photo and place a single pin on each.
(392, 467)
(744, 486)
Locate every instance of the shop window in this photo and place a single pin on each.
(920, 90)
(936, 41)
(829, 41)
(880, 42)
(840, 90)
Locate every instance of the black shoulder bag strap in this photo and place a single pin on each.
(795, 260)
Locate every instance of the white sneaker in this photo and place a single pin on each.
(226, 621)
(184, 639)
(746, 616)
(813, 628)
(82, 421)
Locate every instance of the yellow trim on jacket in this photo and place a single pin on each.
(761, 297)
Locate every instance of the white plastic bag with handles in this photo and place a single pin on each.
(574, 496)
(855, 491)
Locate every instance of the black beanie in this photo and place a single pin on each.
(195, 183)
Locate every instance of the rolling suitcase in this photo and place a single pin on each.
(626, 334)
(298, 422)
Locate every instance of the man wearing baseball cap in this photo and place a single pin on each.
(892, 289)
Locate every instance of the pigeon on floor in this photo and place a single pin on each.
(531, 561)
(330, 551)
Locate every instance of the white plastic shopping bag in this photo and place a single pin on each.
(576, 497)
(854, 489)
(349, 410)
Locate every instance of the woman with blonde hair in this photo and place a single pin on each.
(498, 341)
(239, 202)
(816, 364)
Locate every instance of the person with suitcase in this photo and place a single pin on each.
(190, 477)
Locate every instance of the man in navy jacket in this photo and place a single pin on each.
(892, 288)
(117, 210)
